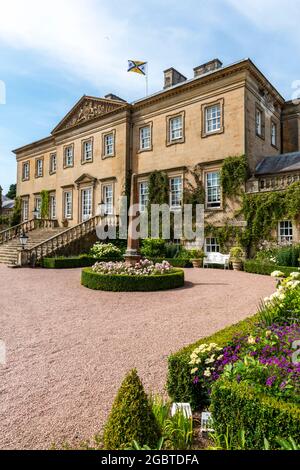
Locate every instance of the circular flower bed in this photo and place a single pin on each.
(143, 276)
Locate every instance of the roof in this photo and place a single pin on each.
(279, 164)
(7, 203)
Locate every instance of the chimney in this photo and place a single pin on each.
(172, 77)
(112, 96)
(210, 66)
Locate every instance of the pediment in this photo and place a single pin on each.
(85, 179)
(87, 109)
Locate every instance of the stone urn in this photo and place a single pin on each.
(237, 265)
(197, 262)
(236, 258)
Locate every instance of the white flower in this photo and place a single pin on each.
(251, 340)
(210, 360)
(207, 373)
(193, 371)
(277, 274)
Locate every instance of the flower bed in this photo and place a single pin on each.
(193, 369)
(144, 276)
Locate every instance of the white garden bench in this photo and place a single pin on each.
(216, 258)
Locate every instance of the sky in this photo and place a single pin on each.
(53, 52)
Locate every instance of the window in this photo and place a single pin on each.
(68, 210)
(274, 134)
(87, 151)
(143, 195)
(259, 122)
(108, 199)
(68, 156)
(285, 232)
(38, 206)
(175, 192)
(53, 163)
(213, 190)
(212, 245)
(39, 168)
(176, 128)
(26, 171)
(86, 204)
(145, 138)
(52, 207)
(25, 210)
(213, 118)
(109, 145)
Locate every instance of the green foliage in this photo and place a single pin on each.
(4, 220)
(288, 256)
(131, 418)
(179, 384)
(128, 283)
(153, 248)
(236, 253)
(16, 215)
(105, 251)
(238, 406)
(263, 211)
(226, 235)
(194, 192)
(62, 262)
(137, 446)
(45, 204)
(12, 192)
(228, 441)
(234, 174)
(281, 311)
(257, 267)
(180, 262)
(158, 188)
(196, 254)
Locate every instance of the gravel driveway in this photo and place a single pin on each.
(68, 348)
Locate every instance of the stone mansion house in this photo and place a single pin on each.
(222, 111)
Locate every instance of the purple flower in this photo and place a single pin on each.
(270, 381)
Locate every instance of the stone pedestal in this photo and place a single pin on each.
(132, 257)
(22, 257)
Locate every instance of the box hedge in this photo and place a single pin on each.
(175, 262)
(73, 262)
(179, 382)
(127, 283)
(256, 267)
(237, 407)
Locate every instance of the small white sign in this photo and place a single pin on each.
(184, 407)
(206, 422)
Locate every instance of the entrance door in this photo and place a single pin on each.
(86, 204)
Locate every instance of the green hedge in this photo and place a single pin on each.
(125, 283)
(73, 262)
(256, 267)
(237, 407)
(175, 262)
(179, 383)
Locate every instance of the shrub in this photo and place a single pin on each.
(256, 267)
(175, 262)
(179, 383)
(105, 251)
(131, 418)
(129, 283)
(68, 263)
(153, 248)
(237, 406)
(236, 253)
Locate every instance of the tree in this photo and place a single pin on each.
(12, 192)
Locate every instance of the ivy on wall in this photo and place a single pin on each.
(158, 188)
(194, 192)
(45, 204)
(226, 235)
(263, 211)
(234, 173)
(17, 212)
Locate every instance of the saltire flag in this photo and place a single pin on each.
(137, 67)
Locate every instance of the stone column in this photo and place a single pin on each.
(132, 255)
(22, 257)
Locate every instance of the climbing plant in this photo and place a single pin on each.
(263, 211)
(234, 173)
(158, 188)
(16, 215)
(226, 235)
(194, 192)
(44, 204)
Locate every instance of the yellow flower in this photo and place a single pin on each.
(207, 373)
(193, 371)
(251, 340)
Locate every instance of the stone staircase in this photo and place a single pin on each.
(9, 249)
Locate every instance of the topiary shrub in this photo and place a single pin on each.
(129, 283)
(131, 417)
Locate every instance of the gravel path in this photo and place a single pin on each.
(68, 347)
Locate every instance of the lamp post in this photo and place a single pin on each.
(23, 240)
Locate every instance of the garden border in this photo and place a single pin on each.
(256, 267)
